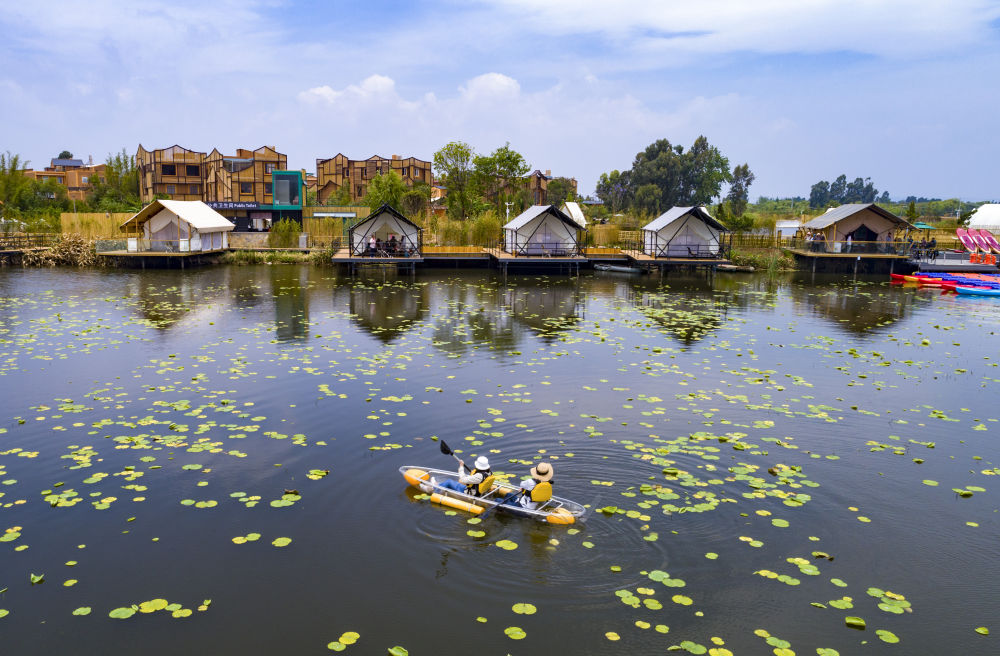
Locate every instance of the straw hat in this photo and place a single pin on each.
(482, 463)
(542, 471)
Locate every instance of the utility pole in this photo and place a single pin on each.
(509, 205)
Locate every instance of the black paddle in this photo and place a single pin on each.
(446, 450)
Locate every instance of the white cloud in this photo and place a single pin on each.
(490, 86)
(896, 28)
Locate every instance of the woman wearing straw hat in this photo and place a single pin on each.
(534, 490)
(468, 483)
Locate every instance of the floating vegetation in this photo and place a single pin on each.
(733, 435)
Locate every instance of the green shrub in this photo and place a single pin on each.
(284, 234)
(484, 230)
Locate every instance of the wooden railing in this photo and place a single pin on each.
(15, 242)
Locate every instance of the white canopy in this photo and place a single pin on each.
(541, 230)
(178, 225)
(573, 210)
(383, 224)
(682, 232)
(986, 216)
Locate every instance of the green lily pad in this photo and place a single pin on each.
(855, 622)
(887, 636)
(281, 542)
(524, 609)
(82, 610)
(515, 633)
(122, 613)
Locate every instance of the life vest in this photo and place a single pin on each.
(477, 490)
(542, 492)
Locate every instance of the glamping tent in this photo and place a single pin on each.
(183, 226)
(986, 216)
(866, 224)
(383, 224)
(683, 232)
(542, 230)
(574, 212)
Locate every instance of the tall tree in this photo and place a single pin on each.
(648, 199)
(15, 187)
(683, 178)
(613, 190)
(65, 155)
(911, 212)
(560, 190)
(384, 189)
(498, 175)
(119, 190)
(739, 189)
(838, 188)
(453, 164)
(819, 195)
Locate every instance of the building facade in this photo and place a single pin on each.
(338, 172)
(71, 173)
(252, 188)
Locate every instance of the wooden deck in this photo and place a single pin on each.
(436, 253)
(160, 253)
(650, 261)
(798, 252)
(503, 256)
(344, 256)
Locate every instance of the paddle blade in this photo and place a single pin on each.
(445, 450)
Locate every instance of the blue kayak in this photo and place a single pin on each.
(976, 291)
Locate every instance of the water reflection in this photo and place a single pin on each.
(468, 314)
(547, 307)
(386, 311)
(165, 300)
(857, 307)
(289, 286)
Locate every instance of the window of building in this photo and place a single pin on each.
(268, 168)
(59, 180)
(84, 179)
(246, 187)
(171, 189)
(267, 187)
(193, 190)
(168, 169)
(359, 191)
(193, 169)
(406, 171)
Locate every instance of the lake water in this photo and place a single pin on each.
(771, 457)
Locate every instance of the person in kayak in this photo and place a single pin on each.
(534, 490)
(477, 482)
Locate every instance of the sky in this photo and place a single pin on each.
(903, 92)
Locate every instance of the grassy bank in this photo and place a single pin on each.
(762, 259)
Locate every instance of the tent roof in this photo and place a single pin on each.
(675, 213)
(533, 212)
(198, 214)
(844, 211)
(386, 208)
(787, 223)
(920, 225)
(986, 215)
(573, 210)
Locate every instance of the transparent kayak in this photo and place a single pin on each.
(554, 511)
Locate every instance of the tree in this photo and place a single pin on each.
(416, 200)
(819, 195)
(65, 155)
(386, 189)
(683, 178)
(911, 212)
(884, 198)
(837, 189)
(497, 175)
(560, 190)
(647, 199)
(15, 187)
(612, 189)
(739, 189)
(453, 164)
(119, 190)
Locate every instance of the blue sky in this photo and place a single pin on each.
(903, 92)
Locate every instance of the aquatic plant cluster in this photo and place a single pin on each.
(772, 466)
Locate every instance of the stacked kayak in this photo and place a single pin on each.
(975, 284)
(554, 511)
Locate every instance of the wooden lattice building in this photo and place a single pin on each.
(175, 172)
(337, 172)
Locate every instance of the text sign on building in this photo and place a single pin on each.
(232, 205)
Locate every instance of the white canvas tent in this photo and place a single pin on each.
(986, 216)
(787, 227)
(184, 226)
(573, 211)
(542, 230)
(383, 224)
(683, 232)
